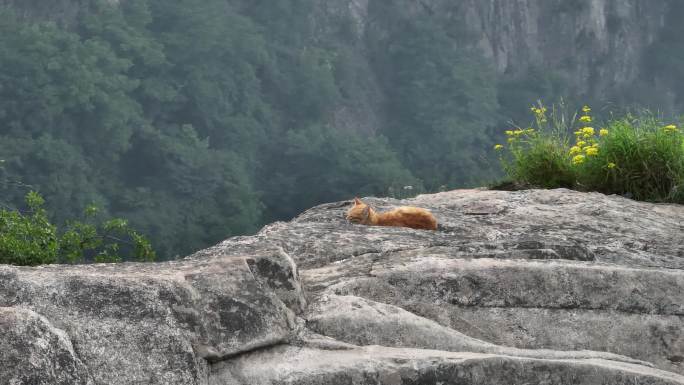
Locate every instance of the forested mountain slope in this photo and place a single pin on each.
(200, 119)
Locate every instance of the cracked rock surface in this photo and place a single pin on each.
(550, 287)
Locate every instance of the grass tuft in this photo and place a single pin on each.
(638, 156)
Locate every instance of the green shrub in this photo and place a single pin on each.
(29, 239)
(538, 156)
(638, 156)
(541, 162)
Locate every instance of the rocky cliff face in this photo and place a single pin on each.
(549, 287)
(594, 48)
(598, 44)
(574, 35)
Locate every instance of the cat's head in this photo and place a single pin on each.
(359, 212)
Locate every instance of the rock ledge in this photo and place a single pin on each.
(521, 287)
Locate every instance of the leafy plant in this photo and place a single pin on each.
(537, 156)
(29, 239)
(639, 156)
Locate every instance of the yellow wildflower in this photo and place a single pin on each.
(586, 109)
(518, 132)
(509, 132)
(592, 151)
(511, 140)
(588, 131)
(603, 132)
(539, 113)
(670, 128)
(578, 159)
(578, 132)
(574, 150)
(581, 143)
(611, 165)
(498, 147)
(585, 119)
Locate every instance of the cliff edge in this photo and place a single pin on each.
(533, 286)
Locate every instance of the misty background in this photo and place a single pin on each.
(197, 120)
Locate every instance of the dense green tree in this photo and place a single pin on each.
(201, 119)
(319, 164)
(187, 195)
(442, 96)
(63, 109)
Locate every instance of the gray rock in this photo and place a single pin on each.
(362, 322)
(527, 269)
(521, 287)
(46, 353)
(154, 323)
(391, 366)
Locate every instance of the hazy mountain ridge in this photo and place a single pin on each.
(595, 48)
(245, 112)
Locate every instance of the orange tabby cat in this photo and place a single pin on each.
(413, 217)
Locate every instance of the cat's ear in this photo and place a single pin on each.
(357, 201)
(366, 212)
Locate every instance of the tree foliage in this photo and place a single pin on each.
(29, 238)
(195, 120)
(201, 119)
(442, 96)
